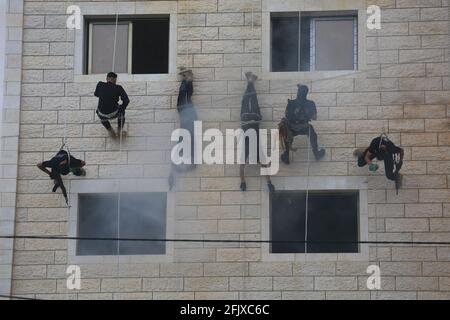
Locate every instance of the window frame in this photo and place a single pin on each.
(332, 184)
(312, 39)
(302, 193)
(115, 233)
(132, 9)
(304, 6)
(76, 187)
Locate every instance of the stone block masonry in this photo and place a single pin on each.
(402, 85)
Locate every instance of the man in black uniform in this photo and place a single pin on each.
(62, 164)
(108, 104)
(299, 113)
(250, 119)
(383, 149)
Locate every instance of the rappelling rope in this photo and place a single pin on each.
(120, 145)
(65, 145)
(307, 193)
(384, 129)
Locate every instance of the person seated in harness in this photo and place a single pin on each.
(299, 113)
(385, 150)
(62, 164)
(108, 94)
(250, 119)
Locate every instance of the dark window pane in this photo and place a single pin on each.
(332, 218)
(151, 46)
(288, 221)
(97, 218)
(305, 44)
(142, 215)
(285, 42)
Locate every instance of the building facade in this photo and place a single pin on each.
(393, 80)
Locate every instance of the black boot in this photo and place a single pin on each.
(319, 154)
(398, 182)
(285, 157)
(243, 186)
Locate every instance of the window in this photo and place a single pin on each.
(142, 45)
(314, 41)
(142, 215)
(332, 220)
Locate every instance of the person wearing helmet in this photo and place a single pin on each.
(298, 115)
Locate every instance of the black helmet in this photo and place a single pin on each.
(302, 91)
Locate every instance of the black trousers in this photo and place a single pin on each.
(120, 120)
(247, 141)
(308, 130)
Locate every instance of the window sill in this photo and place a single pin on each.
(311, 257)
(157, 258)
(126, 77)
(309, 75)
(77, 187)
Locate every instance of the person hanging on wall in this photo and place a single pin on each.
(108, 104)
(385, 150)
(299, 113)
(250, 119)
(188, 115)
(185, 107)
(62, 164)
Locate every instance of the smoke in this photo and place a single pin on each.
(290, 43)
(142, 215)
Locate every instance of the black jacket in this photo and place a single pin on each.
(109, 94)
(301, 111)
(375, 145)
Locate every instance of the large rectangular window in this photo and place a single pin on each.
(330, 221)
(141, 45)
(142, 216)
(314, 41)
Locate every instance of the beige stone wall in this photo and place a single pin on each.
(403, 87)
(11, 18)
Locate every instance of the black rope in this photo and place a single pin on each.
(227, 241)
